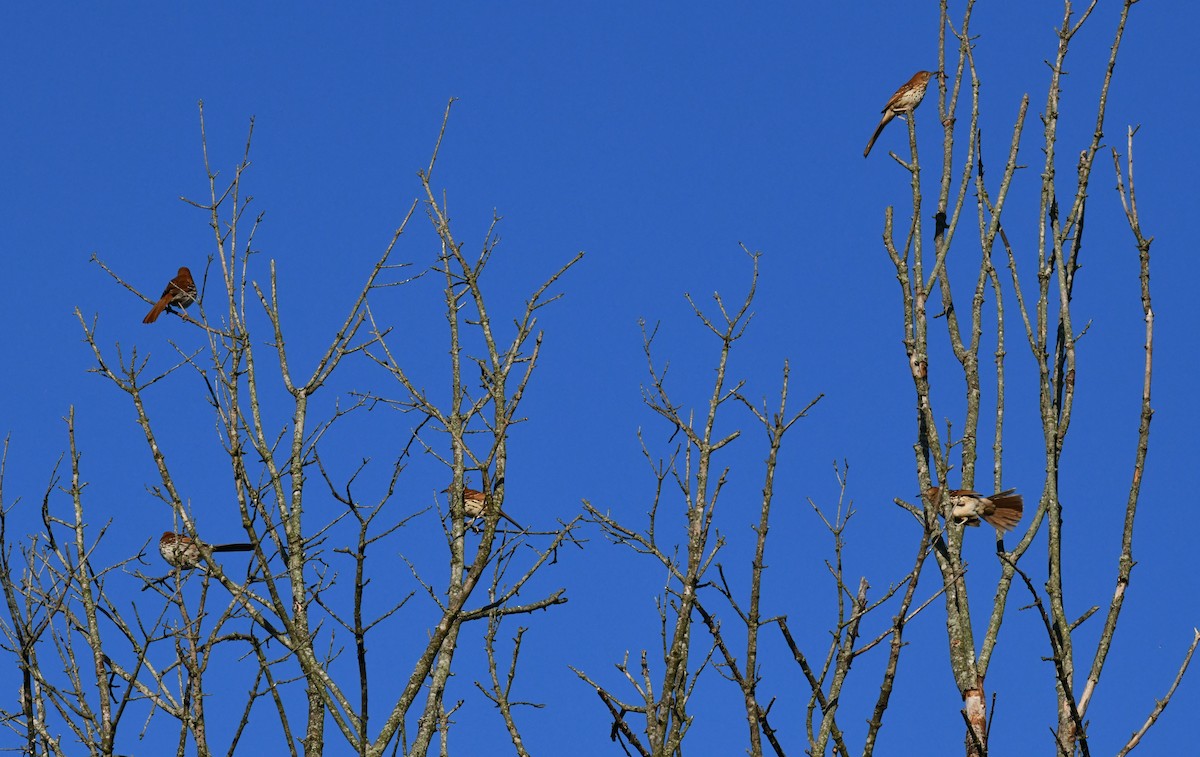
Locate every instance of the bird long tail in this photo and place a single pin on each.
(887, 117)
(1008, 510)
(156, 311)
(510, 520)
(243, 547)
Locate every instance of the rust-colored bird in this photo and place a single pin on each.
(180, 291)
(182, 551)
(904, 102)
(476, 504)
(1002, 510)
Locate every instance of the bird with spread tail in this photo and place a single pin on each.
(1002, 510)
(904, 102)
(476, 504)
(182, 551)
(180, 291)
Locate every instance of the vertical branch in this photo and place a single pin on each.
(842, 669)
(1125, 559)
(666, 713)
(990, 228)
(505, 371)
(86, 581)
(899, 623)
(1057, 388)
(24, 629)
(776, 425)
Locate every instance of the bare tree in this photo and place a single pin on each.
(690, 479)
(924, 269)
(292, 628)
(477, 429)
(1060, 238)
(296, 605)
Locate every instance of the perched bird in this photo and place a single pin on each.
(1002, 510)
(905, 101)
(180, 291)
(182, 551)
(476, 503)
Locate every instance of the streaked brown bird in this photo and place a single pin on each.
(182, 551)
(476, 504)
(180, 291)
(1002, 510)
(904, 102)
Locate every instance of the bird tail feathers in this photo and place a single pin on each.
(887, 118)
(1008, 510)
(156, 311)
(233, 547)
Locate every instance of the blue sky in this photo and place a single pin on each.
(655, 139)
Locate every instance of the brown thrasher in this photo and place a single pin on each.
(476, 503)
(1002, 510)
(905, 101)
(180, 291)
(182, 551)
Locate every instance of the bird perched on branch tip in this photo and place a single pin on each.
(903, 102)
